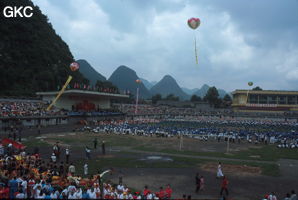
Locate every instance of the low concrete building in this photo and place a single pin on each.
(82, 100)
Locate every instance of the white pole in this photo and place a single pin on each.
(137, 100)
(181, 141)
(228, 144)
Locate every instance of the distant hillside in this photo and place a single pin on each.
(125, 79)
(221, 93)
(189, 91)
(33, 57)
(168, 85)
(89, 72)
(204, 89)
(148, 84)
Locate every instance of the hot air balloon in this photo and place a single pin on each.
(74, 66)
(194, 23)
(250, 83)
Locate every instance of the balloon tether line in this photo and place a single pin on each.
(196, 54)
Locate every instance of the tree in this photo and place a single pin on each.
(227, 98)
(212, 96)
(156, 98)
(257, 88)
(195, 98)
(227, 101)
(172, 97)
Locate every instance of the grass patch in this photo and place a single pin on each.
(32, 142)
(84, 139)
(266, 153)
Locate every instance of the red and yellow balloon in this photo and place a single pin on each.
(74, 66)
(194, 23)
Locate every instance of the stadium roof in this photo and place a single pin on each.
(83, 92)
(273, 92)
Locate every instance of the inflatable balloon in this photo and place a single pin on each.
(194, 23)
(250, 83)
(74, 66)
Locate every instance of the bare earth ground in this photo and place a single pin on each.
(246, 182)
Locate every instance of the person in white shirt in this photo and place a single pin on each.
(72, 195)
(149, 195)
(219, 171)
(36, 190)
(91, 193)
(72, 169)
(67, 154)
(78, 193)
(24, 186)
(54, 195)
(20, 195)
(53, 158)
(120, 187)
(65, 191)
(86, 169)
(97, 190)
(71, 188)
(40, 195)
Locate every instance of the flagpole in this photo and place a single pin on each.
(137, 100)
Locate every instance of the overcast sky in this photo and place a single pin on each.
(238, 40)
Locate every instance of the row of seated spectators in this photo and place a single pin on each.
(97, 112)
(15, 108)
(144, 109)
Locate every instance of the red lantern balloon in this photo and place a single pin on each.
(74, 66)
(194, 23)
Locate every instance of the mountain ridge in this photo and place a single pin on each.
(168, 85)
(125, 79)
(88, 71)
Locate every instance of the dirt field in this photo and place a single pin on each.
(126, 154)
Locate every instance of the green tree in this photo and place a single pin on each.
(172, 97)
(33, 57)
(227, 101)
(257, 88)
(156, 98)
(227, 98)
(212, 96)
(195, 98)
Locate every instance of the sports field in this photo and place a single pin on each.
(252, 170)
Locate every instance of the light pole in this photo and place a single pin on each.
(249, 84)
(138, 81)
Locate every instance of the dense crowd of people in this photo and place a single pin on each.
(26, 108)
(151, 109)
(285, 135)
(24, 175)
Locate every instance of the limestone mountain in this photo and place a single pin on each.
(168, 85)
(89, 72)
(125, 79)
(33, 57)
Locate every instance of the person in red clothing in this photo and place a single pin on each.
(224, 186)
(169, 192)
(161, 193)
(146, 191)
(4, 192)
